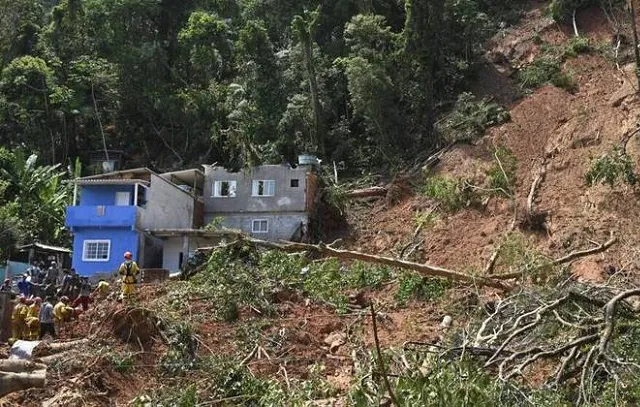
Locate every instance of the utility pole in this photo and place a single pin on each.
(632, 15)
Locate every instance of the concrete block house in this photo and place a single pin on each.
(160, 218)
(270, 202)
(116, 212)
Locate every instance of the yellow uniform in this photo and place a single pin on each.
(32, 322)
(17, 320)
(103, 289)
(128, 269)
(61, 312)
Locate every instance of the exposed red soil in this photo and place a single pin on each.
(569, 129)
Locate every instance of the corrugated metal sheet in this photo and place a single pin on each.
(84, 181)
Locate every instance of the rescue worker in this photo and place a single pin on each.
(129, 270)
(102, 290)
(46, 318)
(17, 318)
(24, 285)
(66, 283)
(33, 271)
(32, 321)
(84, 297)
(62, 312)
(6, 286)
(52, 273)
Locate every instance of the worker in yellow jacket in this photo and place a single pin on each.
(62, 312)
(129, 270)
(17, 319)
(32, 321)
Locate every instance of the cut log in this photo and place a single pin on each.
(19, 366)
(367, 192)
(44, 348)
(12, 382)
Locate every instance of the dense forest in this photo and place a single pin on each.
(175, 83)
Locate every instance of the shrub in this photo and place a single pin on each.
(471, 117)
(543, 71)
(412, 286)
(576, 46)
(451, 194)
(611, 167)
(502, 174)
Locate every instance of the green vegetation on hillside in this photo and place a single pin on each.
(238, 82)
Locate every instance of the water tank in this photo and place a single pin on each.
(306, 159)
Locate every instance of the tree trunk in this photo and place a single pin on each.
(12, 382)
(426, 270)
(632, 18)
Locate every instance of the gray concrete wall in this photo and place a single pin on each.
(286, 199)
(282, 226)
(167, 207)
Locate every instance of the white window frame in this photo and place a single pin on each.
(259, 221)
(216, 190)
(255, 188)
(95, 241)
(122, 194)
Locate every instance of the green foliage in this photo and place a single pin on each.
(561, 10)
(471, 117)
(451, 194)
(11, 231)
(546, 70)
(426, 220)
(356, 82)
(215, 223)
(516, 255)
(122, 363)
(34, 194)
(612, 167)
(412, 286)
(502, 173)
(181, 355)
(459, 383)
(576, 46)
(243, 277)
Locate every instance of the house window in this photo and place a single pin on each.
(264, 188)
(260, 226)
(123, 198)
(295, 183)
(224, 189)
(96, 250)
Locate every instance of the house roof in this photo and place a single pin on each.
(84, 181)
(142, 172)
(193, 232)
(191, 177)
(43, 247)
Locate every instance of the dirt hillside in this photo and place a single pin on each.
(550, 126)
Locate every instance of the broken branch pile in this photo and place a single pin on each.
(578, 331)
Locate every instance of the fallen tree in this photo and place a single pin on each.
(577, 331)
(329, 251)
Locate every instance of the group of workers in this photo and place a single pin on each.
(33, 319)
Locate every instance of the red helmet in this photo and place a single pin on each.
(37, 300)
(128, 255)
(22, 299)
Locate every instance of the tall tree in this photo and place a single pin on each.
(304, 27)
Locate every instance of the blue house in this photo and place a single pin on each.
(123, 211)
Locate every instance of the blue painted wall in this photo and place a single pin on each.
(87, 216)
(122, 240)
(102, 195)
